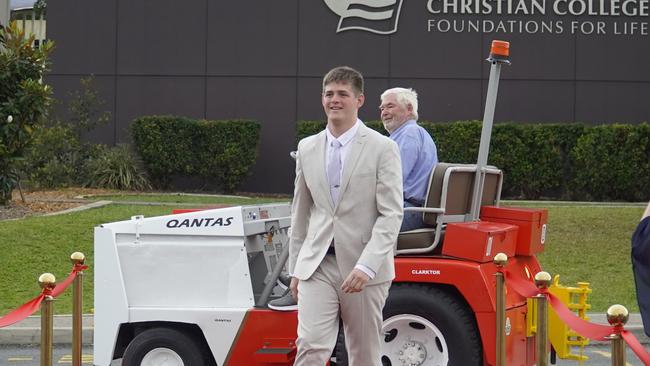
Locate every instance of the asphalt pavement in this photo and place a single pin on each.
(28, 331)
(29, 355)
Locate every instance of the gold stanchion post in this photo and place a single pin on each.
(77, 309)
(542, 281)
(47, 281)
(500, 260)
(617, 315)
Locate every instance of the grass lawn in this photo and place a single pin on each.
(584, 243)
(592, 244)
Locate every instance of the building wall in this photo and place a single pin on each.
(265, 59)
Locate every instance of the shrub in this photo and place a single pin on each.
(54, 158)
(116, 168)
(561, 161)
(223, 151)
(611, 163)
(57, 156)
(24, 100)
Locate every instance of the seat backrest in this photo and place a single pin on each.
(492, 186)
(450, 187)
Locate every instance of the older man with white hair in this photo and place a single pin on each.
(399, 114)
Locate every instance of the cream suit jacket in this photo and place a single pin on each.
(364, 223)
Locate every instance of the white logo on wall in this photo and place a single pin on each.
(376, 16)
(587, 17)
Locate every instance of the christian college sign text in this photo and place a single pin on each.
(617, 17)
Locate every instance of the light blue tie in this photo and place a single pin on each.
(334, 170)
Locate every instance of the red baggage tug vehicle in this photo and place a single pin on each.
(193, 288)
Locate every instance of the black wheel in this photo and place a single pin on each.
(163, 346)
(425, 326)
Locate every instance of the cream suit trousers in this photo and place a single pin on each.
(319, 301)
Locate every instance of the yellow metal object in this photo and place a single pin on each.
(531, 317)
(561, 336)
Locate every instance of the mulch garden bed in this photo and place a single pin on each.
(43, 202)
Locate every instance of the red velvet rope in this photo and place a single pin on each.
(589, 330)
(32, 305)
(22, 312)
(634, 344)
(63, 285)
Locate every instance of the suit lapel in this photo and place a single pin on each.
(352, 158)
(319, 168)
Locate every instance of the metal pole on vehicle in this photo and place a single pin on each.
(500, 260)
(499, 55)
(542, 281)
(77, 258)
(47, 281)
(617, 315)
(266, 293)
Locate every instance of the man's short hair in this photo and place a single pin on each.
(404, 97)
(346, 75)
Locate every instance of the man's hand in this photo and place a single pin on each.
(355, 282)
(293, 286)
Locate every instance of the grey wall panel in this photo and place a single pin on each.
(147, 95)
(265, 60)
(271, 102)
(445, 100)
(608, 102)
(374, 88)
(542, 56)
(612, 57)
(308, 99)
(434, 54)
(164, 37)
(309, 104)
(84, 35)
(252, 38)
(534, 101)
(320, 48)
(64, 87)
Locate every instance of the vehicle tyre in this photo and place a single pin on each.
(163, 347)
(425, 326)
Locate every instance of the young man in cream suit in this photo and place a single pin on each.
(346, 214)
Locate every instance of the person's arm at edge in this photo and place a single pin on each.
(646, 213)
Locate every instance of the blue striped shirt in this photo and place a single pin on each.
(419, 155)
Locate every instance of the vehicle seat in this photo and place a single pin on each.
(448, 199)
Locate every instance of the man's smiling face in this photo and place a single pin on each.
(341, 103)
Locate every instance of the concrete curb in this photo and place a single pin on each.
(80, 208)
(28, 331)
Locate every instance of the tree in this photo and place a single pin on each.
(24, 100)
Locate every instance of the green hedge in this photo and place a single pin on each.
(217, 151)
(556, 161)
